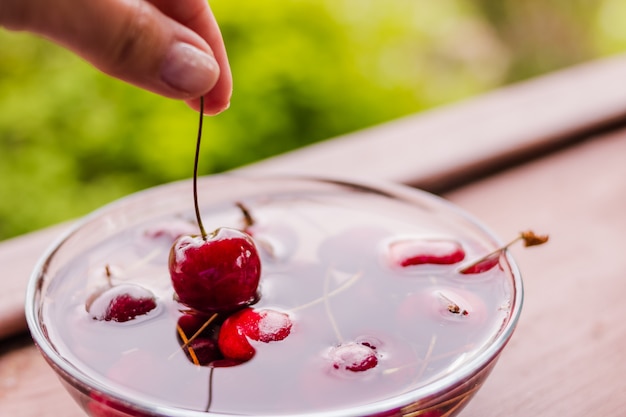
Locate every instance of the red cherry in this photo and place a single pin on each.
(355, 357)
(483, 265)
(122, 303)
(408, 252)
(218, 274)
(203, 351)
(190, 323)
(197, 334)
(262, 326)
(492, 259)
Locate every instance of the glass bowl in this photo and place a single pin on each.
(334, 258)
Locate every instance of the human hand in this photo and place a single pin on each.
(170, 47)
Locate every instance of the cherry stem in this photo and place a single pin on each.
(328, 309)
(452, 306)
(529, 237)
(187, 340)
(427, 357)
(195, 171)
(248, 220)
(108, 274)
(200, 330)
(192, 353)
(334, 292)
(210, 399)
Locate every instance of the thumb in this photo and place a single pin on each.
(128, 39)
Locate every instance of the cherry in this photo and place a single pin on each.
(262, 326)
(482, 265)
(203, 351)
(355, 357)
(196, 334)
(219, 273)
(191, 323)
(122, 303)
(409, 252)
(490, 260)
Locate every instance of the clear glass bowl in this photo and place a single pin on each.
(281, 202)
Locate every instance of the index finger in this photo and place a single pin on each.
(197, 16)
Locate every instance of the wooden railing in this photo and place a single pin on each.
(548, 153)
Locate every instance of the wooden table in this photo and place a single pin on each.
(548, 154)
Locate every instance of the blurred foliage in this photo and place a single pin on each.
(72, 139)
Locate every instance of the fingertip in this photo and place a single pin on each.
(189, 69)
(212, 107)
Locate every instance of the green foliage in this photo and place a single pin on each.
(72, 139)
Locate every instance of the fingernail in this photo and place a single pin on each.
(187, 68)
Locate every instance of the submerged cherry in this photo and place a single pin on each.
(258, 325)
(355, 357)
(122, 303)
(483, 265)
(412, 251)
(490, 260)
(196, 336)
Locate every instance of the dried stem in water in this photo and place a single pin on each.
(528, 237)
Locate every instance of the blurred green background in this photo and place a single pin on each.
(72, 139)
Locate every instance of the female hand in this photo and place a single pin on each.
(170, 47)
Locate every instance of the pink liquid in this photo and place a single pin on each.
(327, 263)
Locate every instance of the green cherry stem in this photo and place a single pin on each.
(195, 171)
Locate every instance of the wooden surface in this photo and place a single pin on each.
(18, 257)
(453, 145)
(567, 355)
(565, 358)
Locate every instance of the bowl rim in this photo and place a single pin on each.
(487, 356)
